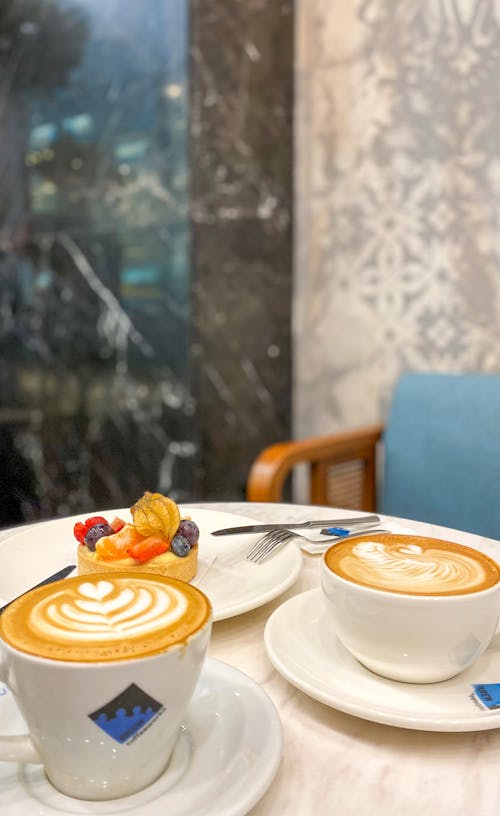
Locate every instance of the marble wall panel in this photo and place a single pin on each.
(145, 248)
(241, 160)
(96, 400)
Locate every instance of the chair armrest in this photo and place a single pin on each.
(273, 465)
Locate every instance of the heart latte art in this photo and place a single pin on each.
(101, 617)
(413, 565)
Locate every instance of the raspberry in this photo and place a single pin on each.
(79, 531)
(90, 522)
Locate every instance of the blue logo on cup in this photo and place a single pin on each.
(126, 716)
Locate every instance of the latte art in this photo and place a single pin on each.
(107, 612)
(400, 567)
(413, 565)
(95, 618)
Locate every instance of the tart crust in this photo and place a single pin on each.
(167, 564)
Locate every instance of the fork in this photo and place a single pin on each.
(269, 543)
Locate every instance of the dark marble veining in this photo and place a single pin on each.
(145, 248)
(95, 385)
(241, 160)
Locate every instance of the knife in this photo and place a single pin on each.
(55, 577)
(266, 528)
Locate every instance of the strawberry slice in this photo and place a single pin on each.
(117, 524)
(148, 548)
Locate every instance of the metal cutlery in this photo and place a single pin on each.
(62, 573)
(300, 525)
(274, 539)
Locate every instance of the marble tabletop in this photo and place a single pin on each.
(335, 764)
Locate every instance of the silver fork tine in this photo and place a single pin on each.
(274, 539)
(282, 537)
(267, 544)
(261, 545)
(265, 540)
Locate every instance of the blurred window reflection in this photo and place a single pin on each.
(94, 251)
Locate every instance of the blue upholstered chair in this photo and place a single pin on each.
(437, 459)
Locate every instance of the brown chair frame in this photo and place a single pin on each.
(273, 465)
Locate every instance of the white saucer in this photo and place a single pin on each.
(224, 761)
(233, 584)
(302, 645)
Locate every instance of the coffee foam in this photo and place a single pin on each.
(413, 565)
(105, 617)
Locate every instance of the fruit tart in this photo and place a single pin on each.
(158, 540)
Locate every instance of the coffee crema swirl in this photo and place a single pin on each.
(413, 565)
(102, 617)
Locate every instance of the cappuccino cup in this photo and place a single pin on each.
(410, 608)
(103, 668)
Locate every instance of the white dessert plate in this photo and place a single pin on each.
(302, 645)
(233, 584)
(226, 757)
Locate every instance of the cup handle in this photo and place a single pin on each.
(18, 747)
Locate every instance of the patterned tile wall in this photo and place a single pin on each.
(397, 200)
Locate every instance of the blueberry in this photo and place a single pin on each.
(189, 530)
(96, 532)
(180, 546)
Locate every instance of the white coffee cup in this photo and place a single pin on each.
(105, 728)
(412, 636)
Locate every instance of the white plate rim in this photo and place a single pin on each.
(290, 557)
(345, 703)
(250, 785)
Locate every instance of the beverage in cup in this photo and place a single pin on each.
(103, 668)
(410, 608)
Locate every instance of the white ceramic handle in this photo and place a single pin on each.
(17, 748)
